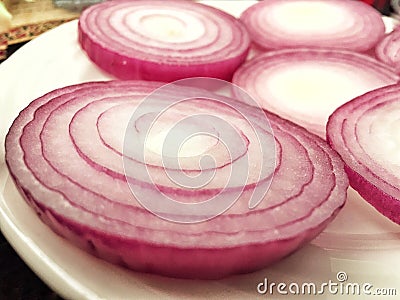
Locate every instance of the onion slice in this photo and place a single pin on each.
(334, 24)
(65, 156)
(307, 85)
(365, 132)
(388, 50)
(162, 40)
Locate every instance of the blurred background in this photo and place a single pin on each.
(23, 20)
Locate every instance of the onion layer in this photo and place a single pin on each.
(65, 152)
(307, 85)
(387, 50)
(365, 132)
(337, 24)
(162, 40)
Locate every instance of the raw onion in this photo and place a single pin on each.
(162, 40)
(388, 50)
(65, 151)
(338, 24)
(307, 85)
(365, 132)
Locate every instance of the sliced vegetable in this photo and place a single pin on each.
(66, 150)
(337, 24)
(388, 50)
(307, 85)
(365, 132)
(162, 40)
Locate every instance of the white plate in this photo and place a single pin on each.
(360, 241)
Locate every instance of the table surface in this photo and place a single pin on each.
(17, 281)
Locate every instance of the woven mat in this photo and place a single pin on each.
(30, 19)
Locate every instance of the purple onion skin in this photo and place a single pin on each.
(188, 263)
(131, 67)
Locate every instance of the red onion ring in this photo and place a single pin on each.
(195, 41)
(307, 85)
(337, 24)
(80, 199)
(388, 50)
(365, 133)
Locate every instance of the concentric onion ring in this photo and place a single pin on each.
(337, 24)
(306, 85)
(162, 40)
(81, 194)
(388, 50)
(365, 132)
